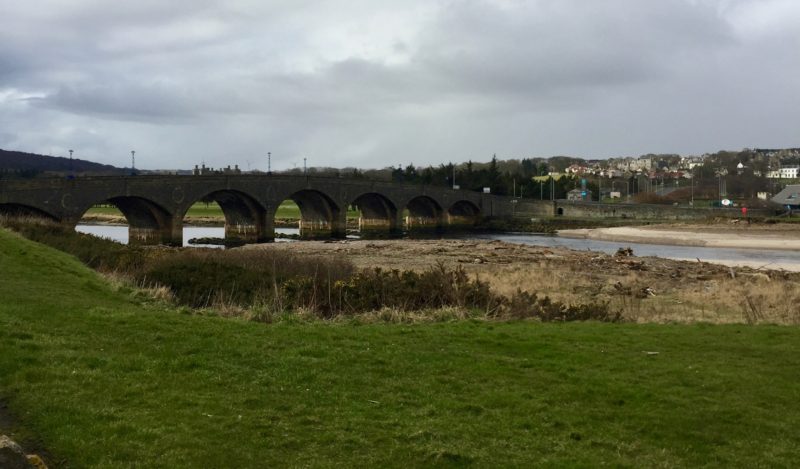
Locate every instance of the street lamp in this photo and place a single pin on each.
(133, 162)
(70, 160)
(269, 162)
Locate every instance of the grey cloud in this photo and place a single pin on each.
(215, 80)
(567, 44)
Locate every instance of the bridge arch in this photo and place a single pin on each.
(23, 210)
(463, 213)
(424, 214)
(245, 217)
(148, 222)
(379, 215)
(320, 216)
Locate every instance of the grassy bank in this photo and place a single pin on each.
(103, 380)
(263, 285)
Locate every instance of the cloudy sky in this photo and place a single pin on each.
(373, 83)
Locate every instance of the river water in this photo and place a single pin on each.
(773, 259)
(119, 233)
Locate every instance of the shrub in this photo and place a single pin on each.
(201, 278)
(524, 305)
(437, 287)
(651, 198)
(273, 282)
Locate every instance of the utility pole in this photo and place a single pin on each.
(70, 161)
(305, 168)
(269, 162)
(599, 189)
(628, 190)
(133, 162)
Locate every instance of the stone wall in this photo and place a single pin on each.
(526, 208)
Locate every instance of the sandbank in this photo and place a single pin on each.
(779, 240)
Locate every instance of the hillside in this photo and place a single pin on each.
(98, 378)
(30, 163)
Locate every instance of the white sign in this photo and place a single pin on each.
(726, 202)
(487, 190)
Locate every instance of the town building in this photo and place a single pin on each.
(579, 195)
(789, 197)
(784, 172)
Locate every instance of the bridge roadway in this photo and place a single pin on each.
(155, 205)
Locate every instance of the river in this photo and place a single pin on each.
(773, 259)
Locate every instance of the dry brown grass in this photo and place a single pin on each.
(644, 289)
(752, 298)
(140, 289)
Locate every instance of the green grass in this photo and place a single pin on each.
(104, 381)
(287, 209)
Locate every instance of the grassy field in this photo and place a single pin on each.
(287, 209)
(102, 377)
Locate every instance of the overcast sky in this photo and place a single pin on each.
(374, 83)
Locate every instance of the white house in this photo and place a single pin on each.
(785, 172)
(789, 172)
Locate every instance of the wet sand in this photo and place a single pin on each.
(717, 236)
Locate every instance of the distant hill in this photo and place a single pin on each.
(31, 164)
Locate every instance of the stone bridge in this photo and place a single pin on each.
(155, 205)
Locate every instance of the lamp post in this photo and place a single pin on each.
(305, 168)
(70, 160)
(133, 162)
(269, 162)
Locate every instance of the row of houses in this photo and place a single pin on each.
(610, 173)
(784, 172)
(204, 171)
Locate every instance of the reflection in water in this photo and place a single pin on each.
(120, 233)
(753, 257)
